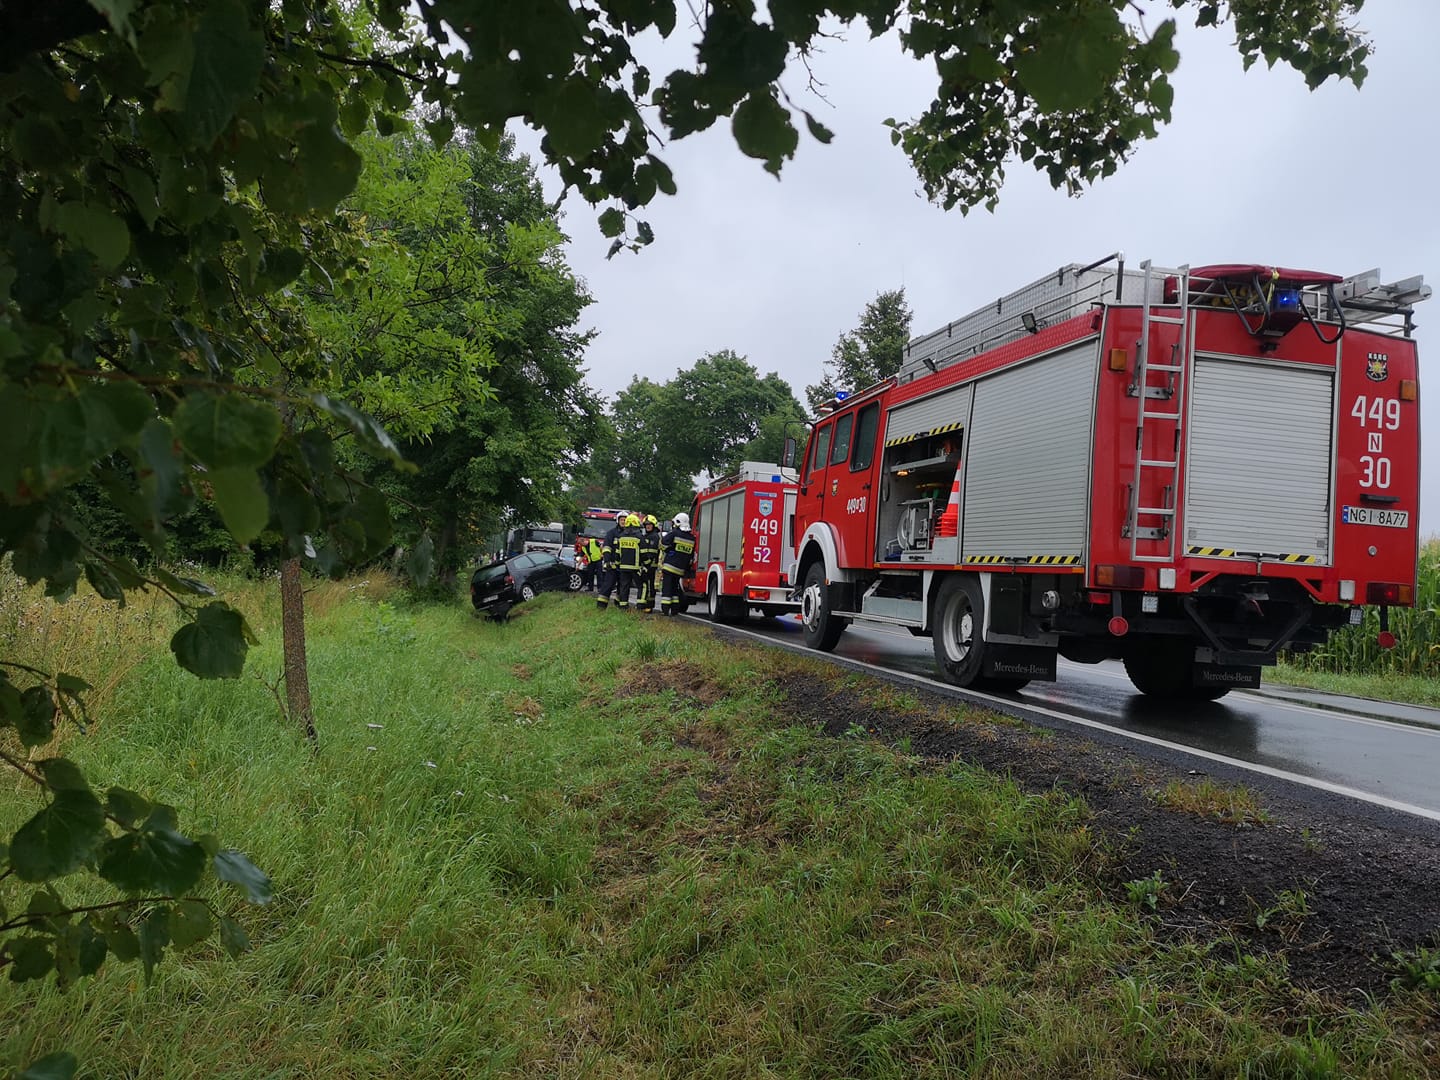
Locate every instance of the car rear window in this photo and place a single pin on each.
(486, 575)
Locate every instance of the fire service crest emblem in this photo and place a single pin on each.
(1377, 366)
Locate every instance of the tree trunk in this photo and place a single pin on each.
(297, 668)
(445, 570)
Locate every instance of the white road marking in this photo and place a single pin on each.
(1005, 704)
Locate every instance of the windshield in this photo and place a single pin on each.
(597, 527)
(545, 536)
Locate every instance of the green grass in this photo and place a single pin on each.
(584, 844)
(1410, 689)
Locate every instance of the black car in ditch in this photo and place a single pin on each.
(498, 586)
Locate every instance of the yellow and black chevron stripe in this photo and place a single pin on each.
(1257, 556)
(1023, 560)
(903, 439)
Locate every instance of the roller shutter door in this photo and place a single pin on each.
(940, 412)
(1258, 473)
(1027, 470)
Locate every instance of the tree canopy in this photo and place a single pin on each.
(706, 419)
(869, 353)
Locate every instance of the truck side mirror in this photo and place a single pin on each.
(787, 456)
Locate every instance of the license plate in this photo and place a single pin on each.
(1372, 515)
(490, 597)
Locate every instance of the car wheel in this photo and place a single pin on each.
(817, 612)
(576, 582)
(527, 592)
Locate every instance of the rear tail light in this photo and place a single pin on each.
(509, 580)
(1389, 592)
(757, 594)
(1120, 577)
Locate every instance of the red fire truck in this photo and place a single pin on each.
(1187, 470)
(744, 530)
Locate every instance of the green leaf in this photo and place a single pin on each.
(154, 936)
(214, 645)
(59, 839)
(57, 1066)
(232, 937)
(126, 807)
(369, 431)
(190, 922)
(329, 164)
(95, 229)
(763, 130)
(121, 939)
(226, 431)
(161, 480)
(152, 860)
(241, 501)
(612, 222)
(229, 56)
(30, 958)
(234, 867)
(1079, 54)
(62, 775)
(36, 722)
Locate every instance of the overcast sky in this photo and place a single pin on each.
(1253, 168)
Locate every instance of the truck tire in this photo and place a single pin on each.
(1164, 668)
(720, 611)
(957, 633)
(817, 611)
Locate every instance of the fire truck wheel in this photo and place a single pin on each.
(959, 617)
(822, 628)
(719, 610)
(1164, 668)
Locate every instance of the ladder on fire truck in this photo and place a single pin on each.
(1164, 470)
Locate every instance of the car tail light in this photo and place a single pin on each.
(1389, 592)
(509, 580)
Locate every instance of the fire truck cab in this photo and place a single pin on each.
(1188, 470)
(744, 531)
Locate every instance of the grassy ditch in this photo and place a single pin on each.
(587, 844)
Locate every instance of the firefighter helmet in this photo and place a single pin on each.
(622, 517)
(682, 522)
(633, 519)
(650, 520)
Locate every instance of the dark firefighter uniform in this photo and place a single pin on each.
(677, 553)
(609, 569)
(649, 563)
(627, 560)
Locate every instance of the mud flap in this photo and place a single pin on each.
(1004, 661)
(1232, 676)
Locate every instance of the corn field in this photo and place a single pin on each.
(1353, 650)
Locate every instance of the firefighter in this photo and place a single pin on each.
(608, 566)
(627, 560)
(677, 549)
(649, 563)
(593, 549)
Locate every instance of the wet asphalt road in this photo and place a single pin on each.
(1386, 751)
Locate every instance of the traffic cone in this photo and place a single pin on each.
(949, 523)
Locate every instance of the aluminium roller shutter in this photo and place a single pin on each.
(1258, 464)
(1027, 470)
(946, 410)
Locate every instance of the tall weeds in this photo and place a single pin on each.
(1355, 650)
